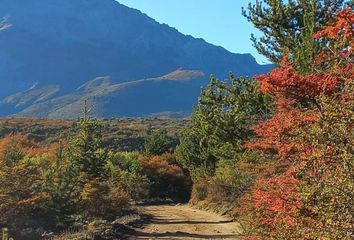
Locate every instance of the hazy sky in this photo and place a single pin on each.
(219, 22)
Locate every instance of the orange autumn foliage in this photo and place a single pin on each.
(163, 168)
(289, 83)
(28, 147)
(168, 178)
(292, 203)
(275, 135)
(342, 27)
(339, 36)
(18, 178)
(279, 200)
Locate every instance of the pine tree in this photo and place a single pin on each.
(289, 26)
(157, 143)
(60, 186)
(86, 149)
(220, 123)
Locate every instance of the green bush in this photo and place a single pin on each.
(126, 170)
(229, 182)
(99, 199)
(220, 124)
(157, 143)
(199, 191)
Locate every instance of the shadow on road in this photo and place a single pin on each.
(183, 222)
(171, 221)
(179, 235)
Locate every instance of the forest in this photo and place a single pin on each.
(274, 152)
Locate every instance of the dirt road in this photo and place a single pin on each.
(184, 222)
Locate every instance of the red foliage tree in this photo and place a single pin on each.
(277, 200)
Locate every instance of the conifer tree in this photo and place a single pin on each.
(60, 186)
(86, 149)
(220, 123)
(289, 26)
(157, 143)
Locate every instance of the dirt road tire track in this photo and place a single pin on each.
(184, 222)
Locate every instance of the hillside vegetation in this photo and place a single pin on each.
(75, 181)
(118, 134)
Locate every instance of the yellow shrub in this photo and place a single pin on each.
(99, 199)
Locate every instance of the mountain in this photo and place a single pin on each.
(169, 95)
(54, 48)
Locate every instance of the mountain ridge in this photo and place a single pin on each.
(65, 43)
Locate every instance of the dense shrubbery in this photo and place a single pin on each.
(19, 176)
(146, 178)
(157, 143)
(126, 169)
(67, 184)
(212, 147)
(288, 172)
(118, 134)
(310, 137)
(168, 180)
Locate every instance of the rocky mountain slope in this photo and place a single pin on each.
(54, 48)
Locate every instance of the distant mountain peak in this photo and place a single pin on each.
(65, 43)
(34, 95)
(182, 75)
(95, 83)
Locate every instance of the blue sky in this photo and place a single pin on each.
(219, 22)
